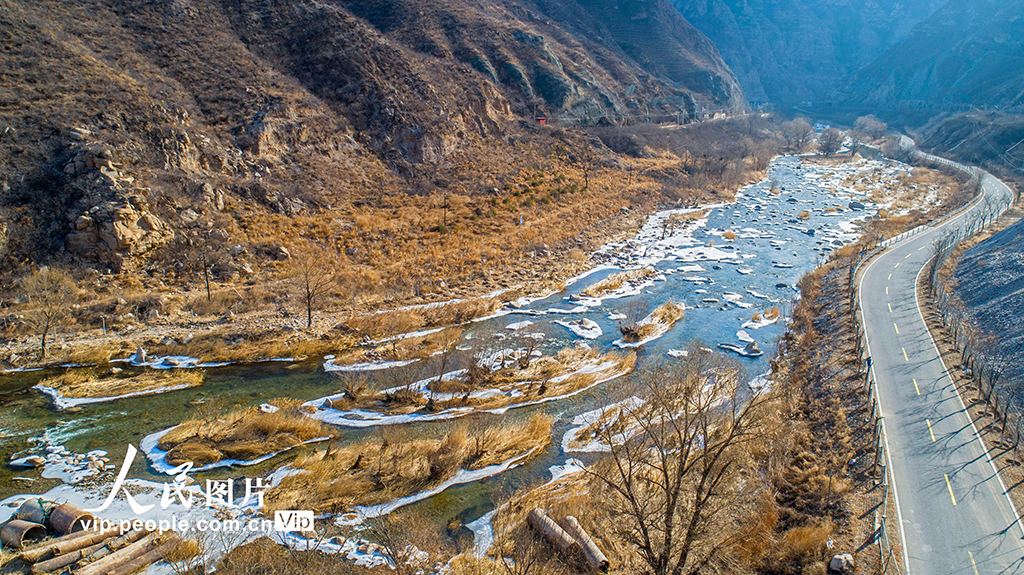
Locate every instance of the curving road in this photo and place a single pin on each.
(953, 511)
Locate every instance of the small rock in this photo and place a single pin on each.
(281, 253)
(115, 370)
(140, 356)
(189, 216)
(842, 564)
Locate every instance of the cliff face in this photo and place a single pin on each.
(794, 50)
(125, 124)
(968, 52)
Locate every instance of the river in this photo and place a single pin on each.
(722, 281)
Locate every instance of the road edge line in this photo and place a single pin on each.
(881, 412)
(960, 398)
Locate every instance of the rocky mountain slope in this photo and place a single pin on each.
(794, 50)
(131, 126)
(968, 52)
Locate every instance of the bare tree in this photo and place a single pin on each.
(51, 293)
(871, 126)
(857, 139)
(408, 540)
(313, 271)
(797, 133)
(675, 474)
(830, 141)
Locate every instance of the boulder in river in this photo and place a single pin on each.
(139, 357)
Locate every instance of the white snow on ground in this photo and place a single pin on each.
(329, 365)
(743, 336)
(760, 383)
(585, 328)
(678, 353)
(483, 533)
(754, 324)
(571, 466)
(359, 551)
(584, 420)
(361, 513)
(61, 402)
(59, 463)
(158, 457)
(616, 316)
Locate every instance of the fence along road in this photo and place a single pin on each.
(954, 512)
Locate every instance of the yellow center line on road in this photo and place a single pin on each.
(897, 328)
(890, 276)
(886, 290)
(930, 432)
(908, 257)
(905, 354)
(973, 564)
(950, 488)
(890, 308)
(921, 248)
(897, 265)
(917, 388)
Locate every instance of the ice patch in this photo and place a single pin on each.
(571, 466)
(585, 328)
(518, 325)
(329, 365)
(60, 402)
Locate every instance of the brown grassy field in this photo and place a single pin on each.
(90, 383)
(243, 434)
(389, 466)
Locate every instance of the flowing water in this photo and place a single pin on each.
(714, 276)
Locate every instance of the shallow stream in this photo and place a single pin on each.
(722, 281)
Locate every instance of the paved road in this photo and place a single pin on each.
(954, 515)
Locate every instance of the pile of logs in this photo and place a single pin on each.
(569, 538)
(77, 549)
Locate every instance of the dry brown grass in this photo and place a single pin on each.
(235, 346)
(243, 434)
(664, 317)
(386, 467)
(89, 383)
(616, 280)
(421, 347)
(770, 313)
(6, 556)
